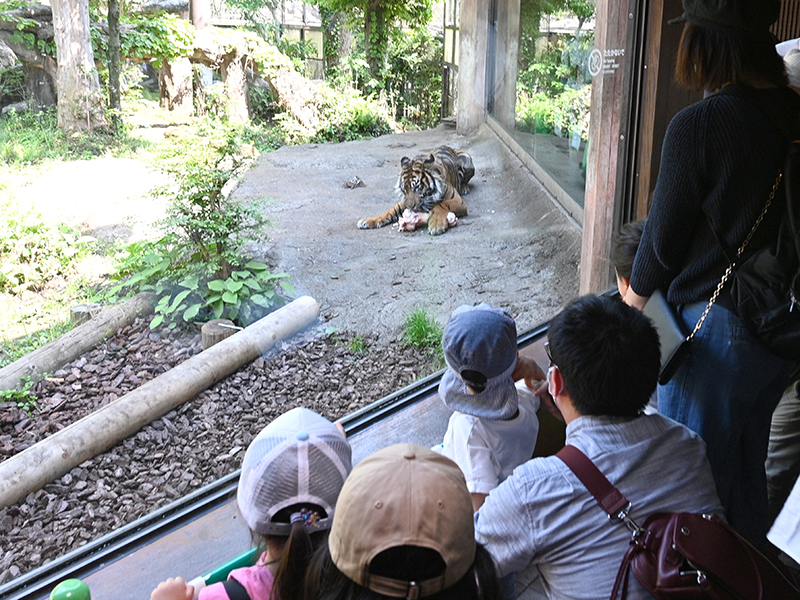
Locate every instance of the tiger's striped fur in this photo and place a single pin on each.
(432, 183)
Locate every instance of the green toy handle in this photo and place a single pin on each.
(71, 589)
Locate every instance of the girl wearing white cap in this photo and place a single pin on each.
(291, 477)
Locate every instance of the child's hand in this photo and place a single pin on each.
(528, 369)
(340, 427)
(174, 588)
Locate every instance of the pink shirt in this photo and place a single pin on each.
(257, 580)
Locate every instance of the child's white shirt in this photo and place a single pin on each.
(488, 451)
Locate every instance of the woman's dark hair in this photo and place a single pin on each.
(324, 581)
(709, 59)
(626, 243)
(298, 549)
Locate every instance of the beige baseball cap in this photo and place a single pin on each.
(403, 495)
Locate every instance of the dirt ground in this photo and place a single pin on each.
(516, 249)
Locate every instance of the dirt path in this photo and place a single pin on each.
(516, 249)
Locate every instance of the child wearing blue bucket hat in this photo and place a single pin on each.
(494, 427)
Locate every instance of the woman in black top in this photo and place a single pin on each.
(720, 160)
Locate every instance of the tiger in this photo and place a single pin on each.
(432, 183)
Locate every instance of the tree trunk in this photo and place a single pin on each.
(175, 86)
(375, 38)
(80, 102)
(113, 63)
(233, 76)
(337, 40)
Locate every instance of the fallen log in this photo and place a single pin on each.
(72, 344)
(52, 457)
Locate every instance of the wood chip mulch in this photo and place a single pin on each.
(187, 448)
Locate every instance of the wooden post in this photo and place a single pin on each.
(610, 64)
(471, 109)
(215, 331)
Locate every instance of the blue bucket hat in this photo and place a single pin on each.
(480, 348)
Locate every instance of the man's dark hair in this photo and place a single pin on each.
(608, 353)
(626, 243)
(709, 59)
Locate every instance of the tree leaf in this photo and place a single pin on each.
(157, 320)
(261, 300)
(178, 299)
(217, 285)
(192, 311)
(256, 266)
(288, 287)
(230, 298)
(233, 286)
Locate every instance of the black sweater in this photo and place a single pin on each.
(719, 162)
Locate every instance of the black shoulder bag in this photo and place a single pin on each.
(765, 287)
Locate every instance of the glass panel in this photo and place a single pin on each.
(542, 95)
(448, 45)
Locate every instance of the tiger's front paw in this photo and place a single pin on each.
(366, 224)
(437, 226)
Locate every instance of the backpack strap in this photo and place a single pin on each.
(235, 590)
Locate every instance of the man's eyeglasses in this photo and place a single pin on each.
(549, 356)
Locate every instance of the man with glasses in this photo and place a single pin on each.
(604, 362)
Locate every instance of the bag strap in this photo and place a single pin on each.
(235, 590)
(608, 497)
(611, 500)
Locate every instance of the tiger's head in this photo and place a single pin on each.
(420, 182)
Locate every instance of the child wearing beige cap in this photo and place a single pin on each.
(403, 528)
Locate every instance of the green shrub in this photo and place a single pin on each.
(22, 396)
(421, 329)
(199, 268)
(414, 77)
(540, 113)
(33, 251)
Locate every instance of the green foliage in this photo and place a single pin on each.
(198, 268)
(11, 350)
(541, 113)
(33, 251)
(421, 329)
(23, 396)
(32, 137)
(357, 345)
(414, 77)
(298, 51)
(346, 116)
(559, 66)
(378, 20)
(155, 35)
(12, 85)
(263, 105)
(24, 28)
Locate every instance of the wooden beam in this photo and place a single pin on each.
(610, 65)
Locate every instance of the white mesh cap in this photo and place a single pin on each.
(299, 458)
